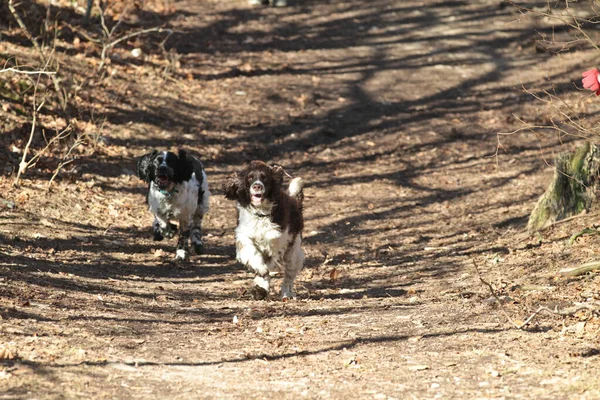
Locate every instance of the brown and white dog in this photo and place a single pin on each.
(269, 231)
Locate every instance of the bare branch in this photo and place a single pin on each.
(569, 311)
(562, 221)
(581, 269)
(61, 135)
(45, 60)
(23, 164)
(106, 47)
(489, 286)
(19, 71)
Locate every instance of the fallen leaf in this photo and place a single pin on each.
(352, 361)
(6, 354)
(334, 274)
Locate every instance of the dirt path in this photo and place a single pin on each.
(389, 110)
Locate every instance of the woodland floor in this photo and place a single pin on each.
(390, 110)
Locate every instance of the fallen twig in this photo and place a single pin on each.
(19, 71)
(78, 142)
(59, 136)
(586, 231)
(489, 286)
(564, 312)
(593, 308)
(562, 221)
(581, 269)
(108, 46)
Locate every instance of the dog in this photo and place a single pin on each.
(177, 190)
(269, 232)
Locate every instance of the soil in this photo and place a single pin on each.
(391, 112)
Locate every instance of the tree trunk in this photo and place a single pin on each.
(573, 189)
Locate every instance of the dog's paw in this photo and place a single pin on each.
(196, 240)
(198, 248)
(181, 255)
(287, 294)
(170, 231)
(258, 293)
(158, 236)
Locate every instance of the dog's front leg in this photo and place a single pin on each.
(196, 233)
(182, 243)
(248, 255)
(161, 228)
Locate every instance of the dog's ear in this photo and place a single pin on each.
(277, 171)
(185, 166)
(234, 188)
(145, 166)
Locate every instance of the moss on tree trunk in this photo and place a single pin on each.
(573, 189)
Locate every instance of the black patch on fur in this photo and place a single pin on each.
(180, 167)
(258, 293)
(182, 242)
(145, 167)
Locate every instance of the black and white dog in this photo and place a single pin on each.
(177, 190)
(269, 232)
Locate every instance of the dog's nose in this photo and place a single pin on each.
(257, 186)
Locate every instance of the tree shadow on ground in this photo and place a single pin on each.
(44, 368)
(342, 124)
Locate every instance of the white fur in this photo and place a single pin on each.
(181, 205)
(204, 205)
(295, 187)
(181, 254)
(256, 237)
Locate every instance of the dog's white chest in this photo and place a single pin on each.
(182, 201)
(265, 235)
(258, 227)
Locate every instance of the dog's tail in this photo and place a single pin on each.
(295, 189)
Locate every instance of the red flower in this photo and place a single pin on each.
(590, 80)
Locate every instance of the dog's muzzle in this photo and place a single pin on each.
(163, 177)
(257, 192)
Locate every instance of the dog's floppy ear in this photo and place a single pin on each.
(185, 167)
(145, 166)
(234, 188)
(277, 171)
